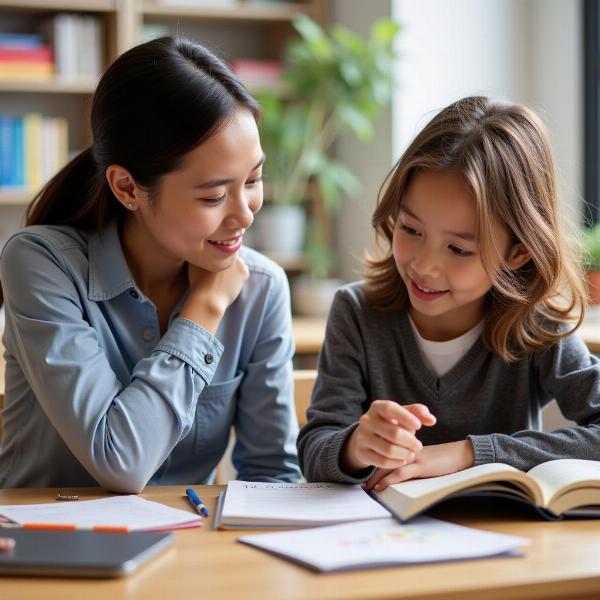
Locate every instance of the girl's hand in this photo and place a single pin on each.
(212, 292)
(432, 461)
(385, 436)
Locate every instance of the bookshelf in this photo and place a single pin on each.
(248, 29)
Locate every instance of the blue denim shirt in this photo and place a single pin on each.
(94, 395)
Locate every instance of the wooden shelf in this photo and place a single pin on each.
(59, 5)
(245, 29)
(49, 87)
(243, 11)
(289, 264)
(15, 197)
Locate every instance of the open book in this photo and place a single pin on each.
(555, 488)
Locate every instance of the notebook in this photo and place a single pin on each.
(255, 504)
(80, 553)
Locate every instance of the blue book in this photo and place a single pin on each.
(21, 41)
(6, 152)
(19, 152)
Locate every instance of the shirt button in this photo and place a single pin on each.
(148, 334)
(208, 358)
(134, 294)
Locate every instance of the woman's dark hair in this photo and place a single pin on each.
(154, 104)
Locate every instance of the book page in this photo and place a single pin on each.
(555, 477)
(383, 542)
(408, 498)
(301, 503)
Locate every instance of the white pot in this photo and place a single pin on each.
(313, 297)
(279, 231)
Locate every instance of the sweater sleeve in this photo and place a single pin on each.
(339, 397)
(568, 373)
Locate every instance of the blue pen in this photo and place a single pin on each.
(196, 502)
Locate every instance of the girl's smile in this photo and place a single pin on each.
(425, 293)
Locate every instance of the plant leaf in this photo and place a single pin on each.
(384, 31)
(353, 118)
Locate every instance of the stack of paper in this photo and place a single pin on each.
(117, 513)
(384, 542)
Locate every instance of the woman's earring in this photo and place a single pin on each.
(130, 206)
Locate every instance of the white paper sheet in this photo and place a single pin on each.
(384, 542)
(297, 504)
(131, 512)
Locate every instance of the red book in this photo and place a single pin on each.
(42, 54)
(268, 69)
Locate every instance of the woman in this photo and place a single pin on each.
(138, 329)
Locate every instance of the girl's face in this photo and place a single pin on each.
(204, 208)
(437, 254)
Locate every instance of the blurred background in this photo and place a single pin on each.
(373, 71)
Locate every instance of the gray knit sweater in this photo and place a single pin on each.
(370, 355)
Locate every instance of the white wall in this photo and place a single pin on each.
(556, 88)
(370, 162)
(522, 50)
(526, 51)
(455, 48)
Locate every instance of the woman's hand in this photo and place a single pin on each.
(385, 436)
(6, 544)
(212, 293)
(439, 459)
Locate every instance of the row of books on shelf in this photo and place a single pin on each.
(222, 3)
(32, 149)
(69, 48)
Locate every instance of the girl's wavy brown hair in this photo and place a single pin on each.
(503, 154)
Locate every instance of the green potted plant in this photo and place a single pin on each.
(336, 81)
(591, 241)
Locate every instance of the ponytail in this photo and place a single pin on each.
(78, 195)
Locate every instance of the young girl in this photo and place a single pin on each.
(138, 329)
(445, 356)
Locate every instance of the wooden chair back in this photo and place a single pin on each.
(304, 382)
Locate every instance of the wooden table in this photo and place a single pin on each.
(561, 562)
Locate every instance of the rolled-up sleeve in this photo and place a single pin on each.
(120, 433)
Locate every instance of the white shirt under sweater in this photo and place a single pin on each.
(440, 357)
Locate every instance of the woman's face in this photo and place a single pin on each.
(204, 208)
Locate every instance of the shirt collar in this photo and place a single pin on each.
(109, 272)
